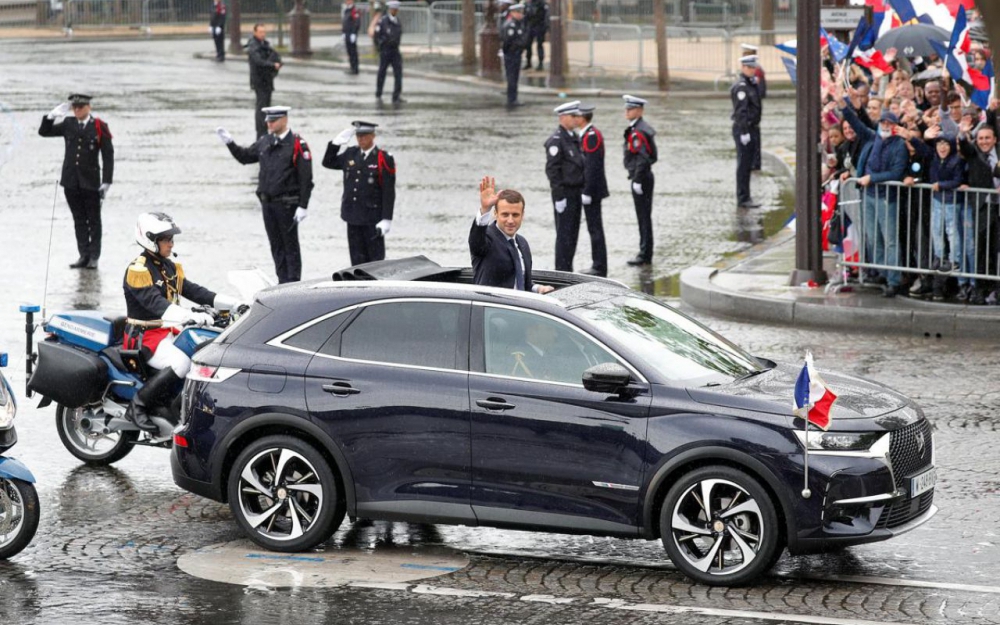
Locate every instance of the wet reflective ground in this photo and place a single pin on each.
(109, 539)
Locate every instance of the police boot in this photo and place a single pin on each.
(150, 396)
(80, 263)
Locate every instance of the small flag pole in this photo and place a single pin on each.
(806, 493)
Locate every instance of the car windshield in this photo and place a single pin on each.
(679, 348)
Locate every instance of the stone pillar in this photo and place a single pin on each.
(298, 22)
(489, 45)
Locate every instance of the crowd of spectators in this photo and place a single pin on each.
(926, 160)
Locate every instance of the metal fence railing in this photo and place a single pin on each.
(893, 228)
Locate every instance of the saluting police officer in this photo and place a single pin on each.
(640, 155)
(514, 38)
(388, 35)
(283, 187)
(564, 167)
(369, 190)
(350, 24)
(88, 143)
(746, 122)
(595, 188)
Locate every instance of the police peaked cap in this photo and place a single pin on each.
(364, 128)
(586, 108)
(750, 60)
(79, 98)
(272, 113)
(632, 102)
(570, 108)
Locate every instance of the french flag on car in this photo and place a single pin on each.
(813, 400)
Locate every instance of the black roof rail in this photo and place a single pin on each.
(406, 269)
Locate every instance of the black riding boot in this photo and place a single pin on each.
(151, 395)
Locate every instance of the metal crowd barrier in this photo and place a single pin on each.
(895, 227)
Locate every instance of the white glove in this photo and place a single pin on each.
(224, 302)
(218, 30)
(224, 135)
(204, 320)
(560, 206)
(354, 38)
(745, 139)
(179, 314)
(344, 136)
(586, 199)
(383, 227)
(300, 215)
(103, 191)
(637, 188)
(60, 111)
(211, 30)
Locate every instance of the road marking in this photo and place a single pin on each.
(667, 566)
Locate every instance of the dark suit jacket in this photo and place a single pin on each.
(493, 259)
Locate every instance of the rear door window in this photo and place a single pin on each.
(419, 334)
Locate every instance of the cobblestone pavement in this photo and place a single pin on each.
(109, 539)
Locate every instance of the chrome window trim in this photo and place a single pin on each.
(278, 341)
(461, 288)
(586, 335)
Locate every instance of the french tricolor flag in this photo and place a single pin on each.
(813, 400)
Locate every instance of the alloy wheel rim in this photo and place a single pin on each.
(86, 441)
(717, 526)
(11, 512)
(280, 494)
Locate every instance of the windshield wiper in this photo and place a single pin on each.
(747, 376)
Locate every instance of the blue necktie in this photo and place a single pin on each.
(518, 270)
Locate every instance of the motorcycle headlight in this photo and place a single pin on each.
(8, 404)
(840, 441)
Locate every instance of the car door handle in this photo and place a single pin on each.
(341, 388)
(494, 404)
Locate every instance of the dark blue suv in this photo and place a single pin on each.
(594, 409)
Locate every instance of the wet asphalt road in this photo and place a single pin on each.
(109, 540)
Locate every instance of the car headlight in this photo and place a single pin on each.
(8, 404)
(840, 441)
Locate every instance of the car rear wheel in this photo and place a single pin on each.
(719, 526)
(284, 494)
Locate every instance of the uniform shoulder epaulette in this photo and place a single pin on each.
(138, 276)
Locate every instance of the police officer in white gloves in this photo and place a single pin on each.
(746, 127)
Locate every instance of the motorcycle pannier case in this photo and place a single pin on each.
(67, 375)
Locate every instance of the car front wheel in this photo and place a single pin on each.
(719, 526)
(284, 494)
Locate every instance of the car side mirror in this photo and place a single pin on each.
(608, 377)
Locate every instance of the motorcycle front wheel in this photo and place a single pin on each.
(93, 447)
(19, 514)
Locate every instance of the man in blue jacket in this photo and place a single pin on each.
(882, 159)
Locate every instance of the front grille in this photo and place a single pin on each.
(904, 512)
(910, 451)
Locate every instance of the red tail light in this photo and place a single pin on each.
(180, 441)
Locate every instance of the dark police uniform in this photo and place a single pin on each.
(388, 35)
(513, 40)
(746, 120)
(640, 154)
(596, 187)
(369, 197)
(350, 24)
(262, 58)
(87, 144)
(536, 17)
(218, 24)
(761, 80)
(285, 183)
(564, 167)
(151, 285)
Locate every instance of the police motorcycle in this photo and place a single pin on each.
(85, 369)
(19, 509)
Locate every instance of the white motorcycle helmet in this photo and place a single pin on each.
(150, 227)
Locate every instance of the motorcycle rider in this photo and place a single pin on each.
(153, 287)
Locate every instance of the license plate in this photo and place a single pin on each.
(923, 482)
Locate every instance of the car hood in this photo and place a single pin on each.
(772, 391)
